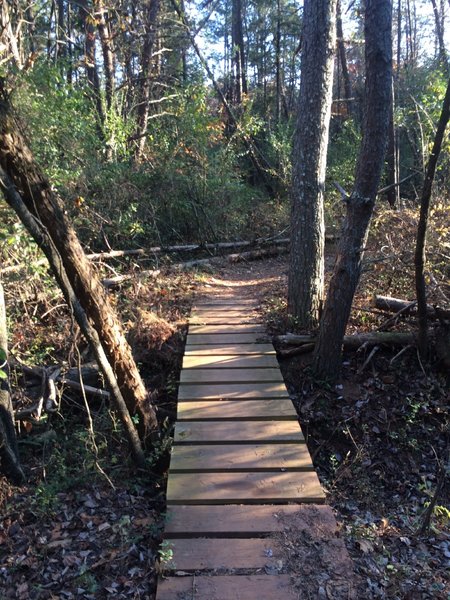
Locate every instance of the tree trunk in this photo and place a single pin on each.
(107, 51)
(42, 238)
(18, 163)
(278, 64)
(306, 270)
(393, 193)
(89, 60)
(7, 35)
(419, 256)
(347, 269)
(343, 59)
(146, 71)
(9, 456)
(443, 58)
(238, 55)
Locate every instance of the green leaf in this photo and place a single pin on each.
(3, 375)
(3, 356)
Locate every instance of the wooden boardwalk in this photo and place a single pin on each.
(239, 461)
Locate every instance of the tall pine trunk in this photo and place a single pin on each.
(146, 71)
(306, 270)
(360, 204)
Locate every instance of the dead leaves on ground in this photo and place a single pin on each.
(97, 543)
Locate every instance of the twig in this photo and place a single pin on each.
(426, 519)
(368, 359)
(399, 354)
(344, 196)
(394, 318)
(396, 184)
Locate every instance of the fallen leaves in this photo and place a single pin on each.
(97, 544)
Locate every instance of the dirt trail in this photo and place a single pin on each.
(253, 279)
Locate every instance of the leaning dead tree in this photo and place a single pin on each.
(9, 456)
(45, 207)
(420, 252)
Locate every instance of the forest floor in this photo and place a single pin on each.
(87, 525)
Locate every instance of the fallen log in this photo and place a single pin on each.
(186, 248)
(76, 385)
(112, 282)
(408, 308)
(353, 342)
(232, 258)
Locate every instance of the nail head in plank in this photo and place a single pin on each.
(224, 362)
(235, 410)
(227, 587)
(231, 375)
(233, 349)
(247, 432)
(243, 457)
(225, 338)
(244, 488)
(226, 554)
(198, 391)
(241, 519)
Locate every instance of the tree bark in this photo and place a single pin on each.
(420, 252)
(7, 35)
(89, 60)
(238, 55)
(45, 205)
(347, 269)
(343, 59)
(44, 241)
(306, 269)
(393, 192)
(146, 70)
(443, 58)
(9, 455)
(353, 342)
(406, 308)
(107, 51)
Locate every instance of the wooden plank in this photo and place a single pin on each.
(230, 361)
(233, 349)
(230, 375)
(225, 338)
(221, 554)
(224, 310)
(265, 389)
(244, 488)
(234, 410)
(250, 432)
(240, 457)
(223, 320)
(240, 520)
(228, 301)
(234, 329)
(225, 314)
(227, 587)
